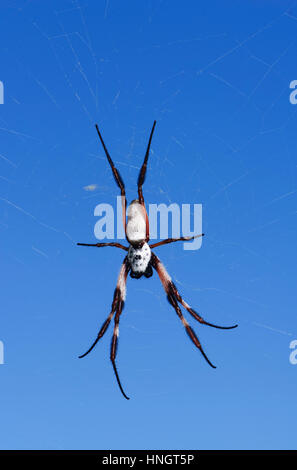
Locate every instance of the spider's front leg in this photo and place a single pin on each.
(142, 173)
(117, 177)
(116, 308)
(141, 179)
(174, 297)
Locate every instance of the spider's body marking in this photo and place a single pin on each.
(140, 260)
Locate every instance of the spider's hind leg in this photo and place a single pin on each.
(117, 308)
(173, 300)
(114, 345)
(170, 286)
(195, 314)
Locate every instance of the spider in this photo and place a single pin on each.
(140, 261)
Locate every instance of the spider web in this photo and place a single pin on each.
(56, 199)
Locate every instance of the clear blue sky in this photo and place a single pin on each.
(215, 75)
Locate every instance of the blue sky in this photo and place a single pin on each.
(215, 75)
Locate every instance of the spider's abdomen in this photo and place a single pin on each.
(139, 259)
(136, 224)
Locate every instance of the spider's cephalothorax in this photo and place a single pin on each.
(140, 261)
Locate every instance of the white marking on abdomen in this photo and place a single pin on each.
(139, 258)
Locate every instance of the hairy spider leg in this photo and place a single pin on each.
(174, 297)
(141, 179)
(116, 308)
(117, 178)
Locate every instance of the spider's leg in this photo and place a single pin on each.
(117, 177)
(141, 178)
(142, 172)
(118, 297)
(171, 296)
(171, 240)
(182, 301)
(99, 245)
(103, 328)
(114, 344)
(195, 314)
